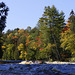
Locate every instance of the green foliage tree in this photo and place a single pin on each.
(28, 28)
(3, 14)
(9, 52)
(54, 21)
(72, 21)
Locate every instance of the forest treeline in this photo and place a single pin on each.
(52, 39)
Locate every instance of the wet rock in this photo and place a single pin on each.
(26, 62)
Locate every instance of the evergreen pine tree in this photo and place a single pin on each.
(54, 21)
(3, 13)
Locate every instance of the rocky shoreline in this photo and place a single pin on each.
(46, 62)
(58, 62)
(34, 61)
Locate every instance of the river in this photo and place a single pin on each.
(37, 69)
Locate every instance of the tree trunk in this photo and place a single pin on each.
(56, 47)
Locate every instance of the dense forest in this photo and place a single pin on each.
(51, 39)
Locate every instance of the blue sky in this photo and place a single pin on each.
(24, 13)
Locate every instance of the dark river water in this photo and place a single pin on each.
(37, 69)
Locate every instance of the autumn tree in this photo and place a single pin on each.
(68, 36)
(32, 48)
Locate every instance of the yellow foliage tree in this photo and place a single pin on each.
(68, 41)
(22, 51)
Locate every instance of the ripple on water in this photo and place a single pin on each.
(39, 69)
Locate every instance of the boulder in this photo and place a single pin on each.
(26, 62)
(38, 61)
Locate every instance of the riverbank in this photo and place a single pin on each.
(35, 61)
(59, 62)
(46, 62)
